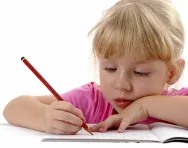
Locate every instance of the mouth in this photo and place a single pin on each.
(122, 102)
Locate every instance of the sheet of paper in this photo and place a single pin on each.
(134, 133)
(165, 131)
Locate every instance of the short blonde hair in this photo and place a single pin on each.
(152, 28)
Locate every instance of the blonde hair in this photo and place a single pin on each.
(149, 28)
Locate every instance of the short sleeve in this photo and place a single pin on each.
(183, 91)
(174, 92)
(86, 98)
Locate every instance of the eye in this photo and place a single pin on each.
(110, 69)
(141, 73)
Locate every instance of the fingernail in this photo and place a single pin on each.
(83, 118)
(120, 130)
(101, 129)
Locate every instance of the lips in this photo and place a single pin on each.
(122, 103)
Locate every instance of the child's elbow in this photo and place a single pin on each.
(7, 112)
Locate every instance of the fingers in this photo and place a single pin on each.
(108, 123)
(63, 118)
(66, 117)
(133, 114)
(65, 127)
(59, 132)
(95, 128)
(68, 107)
(79, 113)
(124, 124)
(113, 121)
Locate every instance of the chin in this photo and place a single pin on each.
(119, 109)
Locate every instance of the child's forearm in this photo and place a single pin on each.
(25, 111)
(173, 109)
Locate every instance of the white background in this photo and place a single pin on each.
(52, 35)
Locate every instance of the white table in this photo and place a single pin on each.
(18, 134)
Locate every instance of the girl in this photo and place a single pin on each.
(138, 44)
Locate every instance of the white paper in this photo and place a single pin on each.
(133, 133)
(165, 131)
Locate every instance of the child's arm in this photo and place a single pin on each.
(42, 113)
(27, 111)
(173, 109)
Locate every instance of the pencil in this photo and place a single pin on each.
(50, 88)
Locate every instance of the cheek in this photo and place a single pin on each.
(153, 86)
(106, 84)
(106, 78)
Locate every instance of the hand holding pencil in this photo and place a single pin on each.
(61, 117)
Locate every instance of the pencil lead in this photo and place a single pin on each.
(89, 131)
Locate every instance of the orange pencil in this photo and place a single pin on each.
(57, 96)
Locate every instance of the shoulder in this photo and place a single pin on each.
(86, 92)
(176, 92)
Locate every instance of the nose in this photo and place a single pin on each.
(123, 83)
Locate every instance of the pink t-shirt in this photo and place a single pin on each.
(96, 108)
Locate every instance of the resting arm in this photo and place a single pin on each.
(173, 109)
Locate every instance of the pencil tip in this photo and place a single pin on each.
(22, 58)
(89, 130)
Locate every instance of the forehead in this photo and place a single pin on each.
(129, 57)
(134, 60)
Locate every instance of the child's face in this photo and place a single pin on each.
(126, 79)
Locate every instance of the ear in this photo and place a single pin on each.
(176, 71)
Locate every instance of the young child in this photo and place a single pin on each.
(138, 45)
